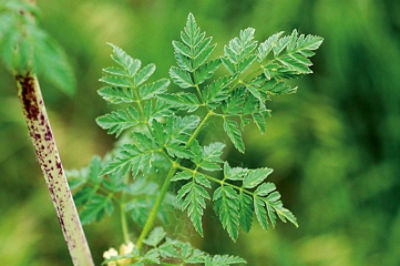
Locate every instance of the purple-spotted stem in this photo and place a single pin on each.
(49, 159)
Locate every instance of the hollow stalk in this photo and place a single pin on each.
(49, 159)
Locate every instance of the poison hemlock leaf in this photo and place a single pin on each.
(159, 129)
(164, 248)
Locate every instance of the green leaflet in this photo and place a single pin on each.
(144, 74)
(254, 195)
(181, 78)
(95, 209)
(206, 71)
(150, 90)
(118, 121)
(128, 72)
(117, 95)
(292, 52)
(181, 101)
(234, 173)
(260, 120)
(261, 213)
(142, 193)
(155, 237)
(239, 53)
(162, 247)
(207, 157)
(129, 65)
(77, 178)
(182, 176)
(246, 211)
(255, 177)
(266, 47)
(130, 158)
(192, 54)
(215, 93)
(179, 129)
(193, 196)
(226, 205)
(223, 260)
(232, 130)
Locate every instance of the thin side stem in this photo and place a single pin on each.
(199, 93)
(200, 126)
(124, 222)
(138, 100)
(174, 165)
(216, 180)
(150, 220)
(49, 159)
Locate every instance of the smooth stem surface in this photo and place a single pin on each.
(200, 126)
(49, 159)
(122, 205)
(150, 220)
(124, 223)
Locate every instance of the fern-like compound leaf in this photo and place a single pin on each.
(164, 127)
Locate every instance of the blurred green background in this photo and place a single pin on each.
(334, 145)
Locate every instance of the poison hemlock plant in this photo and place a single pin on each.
(160, 127)
(26, 50)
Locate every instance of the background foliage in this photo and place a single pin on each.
(334, 145)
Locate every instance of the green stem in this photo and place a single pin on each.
(124, 223)
(199, 93)
(196, 132)
(216, 180)
(150, 220)
(122, 205)
(138, 101)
